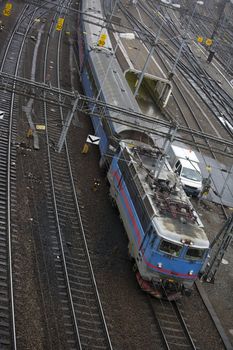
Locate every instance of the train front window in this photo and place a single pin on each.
(195, 254)
(170, 248)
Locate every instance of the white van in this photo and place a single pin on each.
(184, 162)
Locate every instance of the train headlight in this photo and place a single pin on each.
(160, 265)
(186, 241)
(191, 272)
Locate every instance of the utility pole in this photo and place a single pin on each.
(215, 31)
(138, 83)
(171, 74)
(165, 148)
(66, 126)
(113, 9)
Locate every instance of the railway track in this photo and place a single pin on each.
(220, 101)
(209, 91)
(84, 321)
(172, 325)
(10, 63)
(190, 106)
(191, 64)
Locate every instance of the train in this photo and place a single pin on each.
(167, 241)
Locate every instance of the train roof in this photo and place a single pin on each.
(115, 89)
(170, 209)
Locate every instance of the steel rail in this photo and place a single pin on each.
(171, 324)
(54, 193)
(60, 216)
(221, 102)
(184, 325)
(78, 209)
(207, 304)
(210, 148)
(210, 83)
(16, 26)
(158, 324)
(138, 23)
(190, 59)
(190, 74)
(13, 67)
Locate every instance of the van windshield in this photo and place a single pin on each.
(191, 174)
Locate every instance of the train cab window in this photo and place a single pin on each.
(194, 254)
(170, 248)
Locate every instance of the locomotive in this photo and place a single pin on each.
(166, 237)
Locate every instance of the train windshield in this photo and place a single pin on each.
(170, 248)
(195, 254)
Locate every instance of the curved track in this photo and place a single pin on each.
(218, 101)
(208, 89)
(11, 64)
(84, 321)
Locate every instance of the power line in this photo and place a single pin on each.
(137, 121)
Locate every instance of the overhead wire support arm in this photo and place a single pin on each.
(155, 126)
(66, 126)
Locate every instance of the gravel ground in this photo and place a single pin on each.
(28, 304)
(125, 306)
(39, 319)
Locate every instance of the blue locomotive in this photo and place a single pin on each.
(166, 237)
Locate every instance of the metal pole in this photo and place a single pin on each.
(219, 19)
(183, 42)
(65, 127)
(138, 84)
(212, 51)
(110, 17)
(112, 12)
(167, 144)
(177, 58)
